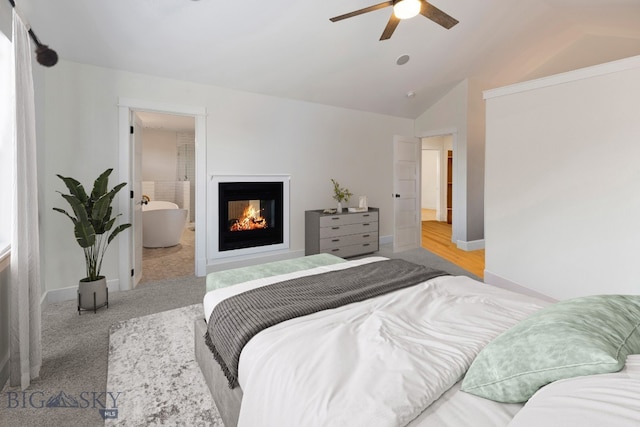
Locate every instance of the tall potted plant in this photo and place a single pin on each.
(92, 223)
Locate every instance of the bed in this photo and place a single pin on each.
(420, 355)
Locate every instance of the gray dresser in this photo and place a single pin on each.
(345, 235)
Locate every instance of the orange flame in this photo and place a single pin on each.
(250, 220)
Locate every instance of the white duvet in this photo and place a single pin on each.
(590, 401)
(379, 362)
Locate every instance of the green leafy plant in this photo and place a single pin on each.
(93, 219)
(340, 193)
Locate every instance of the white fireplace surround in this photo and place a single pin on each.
(216, 254)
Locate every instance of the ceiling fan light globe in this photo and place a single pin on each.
(405, 9)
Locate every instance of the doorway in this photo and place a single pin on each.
(436, 176)
(129, 201)
(438, 205)
(167, 174)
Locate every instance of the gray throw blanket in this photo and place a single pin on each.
(235, 320)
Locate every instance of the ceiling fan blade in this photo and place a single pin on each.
(436, 15)
(361, 11)
(390, 28)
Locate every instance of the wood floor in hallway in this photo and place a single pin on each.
(436, 237)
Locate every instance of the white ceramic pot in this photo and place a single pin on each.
(86, 291)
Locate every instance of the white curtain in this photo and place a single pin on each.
(24, 342)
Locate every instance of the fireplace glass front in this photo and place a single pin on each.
(251, 214)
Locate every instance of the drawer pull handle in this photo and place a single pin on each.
(335, 228)
(365, 235)
(334, 218)
(335, 250)
(367, 244)
(335, 240)
(366, 215)
(366, 224)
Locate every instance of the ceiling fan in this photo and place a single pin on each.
(404, 9)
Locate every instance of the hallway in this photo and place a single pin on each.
(436, 237)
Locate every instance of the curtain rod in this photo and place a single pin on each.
(45, 56)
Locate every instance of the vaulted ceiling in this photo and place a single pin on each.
(289, 48)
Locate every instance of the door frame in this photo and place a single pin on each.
(459, 183)
(135, 220)
(125, 107)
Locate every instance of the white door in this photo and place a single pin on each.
(136, 208)
(406, 193)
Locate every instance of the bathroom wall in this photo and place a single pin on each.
(159, 155)
(168, 160)
(186, 166)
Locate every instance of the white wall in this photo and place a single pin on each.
(246, 134)
(430, 182)
(563, 182)
(475, 161)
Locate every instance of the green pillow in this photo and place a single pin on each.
(582, 336)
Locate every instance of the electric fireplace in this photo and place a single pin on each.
(251, 214)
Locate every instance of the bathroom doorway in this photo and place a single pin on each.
(166, 171)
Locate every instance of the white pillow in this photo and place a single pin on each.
(589, 401)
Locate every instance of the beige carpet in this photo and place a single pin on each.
(74, 355)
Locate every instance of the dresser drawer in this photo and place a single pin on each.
(353, 250)
(352, 239)
(345, 219)
(345, 230)
(345, 235)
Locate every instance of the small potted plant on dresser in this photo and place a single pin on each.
(340, 194)
(92, 223)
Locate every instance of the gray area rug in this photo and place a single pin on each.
(153, 371)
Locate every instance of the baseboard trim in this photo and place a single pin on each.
(473, 245)
(495, 280)
(71, 293)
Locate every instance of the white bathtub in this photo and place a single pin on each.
(162, 224)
